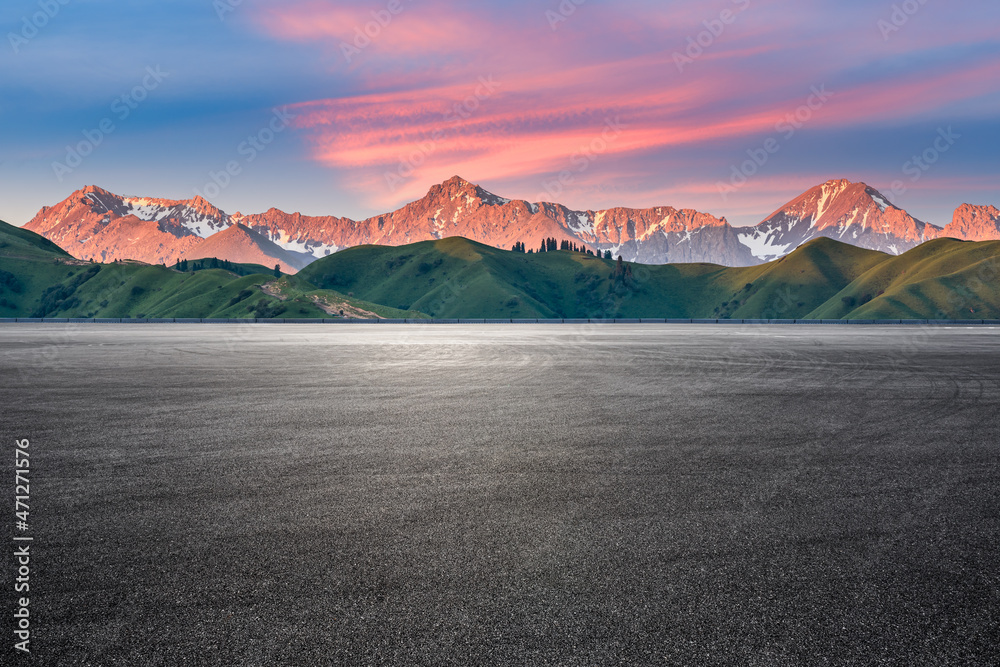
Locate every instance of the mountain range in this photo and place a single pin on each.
(93, 223)
(458, 278)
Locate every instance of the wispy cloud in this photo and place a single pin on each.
(410, 62)
(536, 123)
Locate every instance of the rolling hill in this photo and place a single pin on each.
(39, 279)
(944, 278)
(456, 277)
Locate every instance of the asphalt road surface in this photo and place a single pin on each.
(506, 494)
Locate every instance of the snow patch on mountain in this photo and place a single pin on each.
(881, 201)
(762, 244)
(202, 225)
(579, 223)
(301, 246)
(152, 210)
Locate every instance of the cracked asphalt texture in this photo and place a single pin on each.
(508, 494)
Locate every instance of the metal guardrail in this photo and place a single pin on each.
(344, 320)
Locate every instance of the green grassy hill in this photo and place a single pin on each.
(17, 242)
(38, 279)
(458, 278)
(940, 279)
(455, 277)
(790, 287)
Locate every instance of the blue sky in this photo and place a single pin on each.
(696, 88)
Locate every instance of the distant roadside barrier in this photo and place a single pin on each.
(344, 320)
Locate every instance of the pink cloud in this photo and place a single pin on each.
(555, 90)
(537, 123)
(403, 32)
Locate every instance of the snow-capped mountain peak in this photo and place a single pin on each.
(840, 209)
(93, 222)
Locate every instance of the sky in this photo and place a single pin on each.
(730, 107)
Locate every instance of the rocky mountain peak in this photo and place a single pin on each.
(93, 222)
(974, 223)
